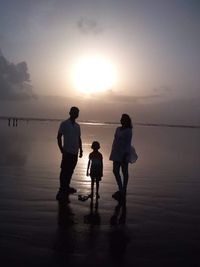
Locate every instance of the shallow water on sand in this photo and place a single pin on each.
(159, 225)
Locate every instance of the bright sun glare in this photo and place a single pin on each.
(93, 74)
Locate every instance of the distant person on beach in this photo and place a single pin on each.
(120, 154)
(70, 144)
(95, 168)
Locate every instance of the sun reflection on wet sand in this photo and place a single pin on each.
(162, 215)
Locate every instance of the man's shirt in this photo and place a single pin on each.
(71, 133)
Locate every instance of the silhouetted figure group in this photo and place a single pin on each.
(70, 145)
(12, 122)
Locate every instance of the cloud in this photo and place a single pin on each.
(163, 89)
(114, 97)
(14, 80)
(129, 98)
(89, 26)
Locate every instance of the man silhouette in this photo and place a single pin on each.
(69, 143)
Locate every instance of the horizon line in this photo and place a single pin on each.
(93, 122)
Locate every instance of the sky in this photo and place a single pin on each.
(152, 46)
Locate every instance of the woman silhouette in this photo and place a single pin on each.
(120, 154)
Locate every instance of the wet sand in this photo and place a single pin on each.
(158, 226)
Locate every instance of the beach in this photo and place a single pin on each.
(157, 226)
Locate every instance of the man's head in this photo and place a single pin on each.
(74, 112)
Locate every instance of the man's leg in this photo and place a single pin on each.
(61, 195)
(68, 165)
(63, 181)
(72, 161)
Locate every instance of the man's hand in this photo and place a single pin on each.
(81, 153)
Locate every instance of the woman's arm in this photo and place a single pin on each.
(101, 166)
(127, 139)
(127, 144)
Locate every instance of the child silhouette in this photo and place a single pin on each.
(95, 168)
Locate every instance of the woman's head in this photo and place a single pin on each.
(126, 121)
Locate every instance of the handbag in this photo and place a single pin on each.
(133, 155)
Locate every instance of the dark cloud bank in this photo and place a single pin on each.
(14, 80)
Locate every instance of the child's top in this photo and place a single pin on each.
(96, 164)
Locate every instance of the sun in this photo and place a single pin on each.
(93, 75)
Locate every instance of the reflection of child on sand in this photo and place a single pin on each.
(95, 168)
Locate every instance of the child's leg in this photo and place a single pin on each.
(97, 188)
(92, 186)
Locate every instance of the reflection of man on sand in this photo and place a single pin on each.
(69, 147)
(65, 238)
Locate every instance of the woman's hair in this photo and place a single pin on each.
(127, 121)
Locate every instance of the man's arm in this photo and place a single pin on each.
(80, 148)
(59, 140)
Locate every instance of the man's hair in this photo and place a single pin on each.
(72, 109)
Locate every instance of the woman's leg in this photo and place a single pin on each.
(125, 176)
(116, 171)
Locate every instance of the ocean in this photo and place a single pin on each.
(157, 226)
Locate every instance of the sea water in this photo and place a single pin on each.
(162, 207)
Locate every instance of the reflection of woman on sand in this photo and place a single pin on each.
(120, 154)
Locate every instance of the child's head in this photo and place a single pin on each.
(95, 145)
